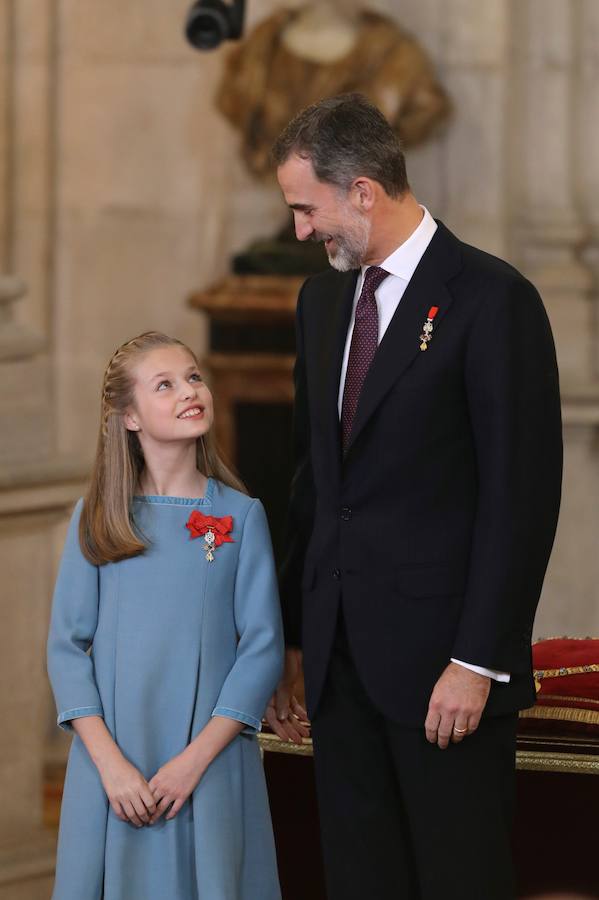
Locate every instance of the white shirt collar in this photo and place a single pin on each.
(403, 261)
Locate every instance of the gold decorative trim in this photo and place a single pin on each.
(565, 637)
(562, 672)
(526, 760)
(274, 744)
(562, 714)
(586, 669)
(570, 763)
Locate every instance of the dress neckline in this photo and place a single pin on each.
(179, 501)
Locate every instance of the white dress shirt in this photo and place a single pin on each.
(401, 265)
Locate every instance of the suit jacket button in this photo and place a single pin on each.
(337, 574)
(346, 513)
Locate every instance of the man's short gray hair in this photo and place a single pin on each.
(345, 137)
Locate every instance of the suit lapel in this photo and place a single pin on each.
(401, 341)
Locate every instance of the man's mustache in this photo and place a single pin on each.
(318, 237)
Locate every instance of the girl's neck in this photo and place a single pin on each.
(172, 472)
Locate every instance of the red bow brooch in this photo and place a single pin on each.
(215, 531)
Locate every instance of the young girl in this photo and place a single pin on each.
(167, 579)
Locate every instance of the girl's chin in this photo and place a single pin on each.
(193, 429)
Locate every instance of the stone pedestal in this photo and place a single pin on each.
(35, 502)
(27, 866)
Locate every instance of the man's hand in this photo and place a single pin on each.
(288, 718)
(456, 705)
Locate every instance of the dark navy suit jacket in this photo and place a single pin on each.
(435, 529)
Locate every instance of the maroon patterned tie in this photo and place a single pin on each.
(362, 349)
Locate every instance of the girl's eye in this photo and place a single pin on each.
(195, 377)
(162, 385)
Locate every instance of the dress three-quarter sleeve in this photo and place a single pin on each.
(259, 660)
(72, 627)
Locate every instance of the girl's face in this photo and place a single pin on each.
(171, 402)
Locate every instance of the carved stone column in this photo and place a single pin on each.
(587, 134)
(549, 231)
(550, 234)
(16, 340)
(26, 76)
(475, 62)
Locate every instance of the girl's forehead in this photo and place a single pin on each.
(163, 359)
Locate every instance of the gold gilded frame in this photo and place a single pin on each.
(535, 759)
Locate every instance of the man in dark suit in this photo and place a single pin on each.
(422, 515)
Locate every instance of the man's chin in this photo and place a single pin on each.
(340, 263)
(337, 259)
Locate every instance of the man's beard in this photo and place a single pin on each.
(351, 246)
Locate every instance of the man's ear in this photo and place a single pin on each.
(131, 423)
(363, 193)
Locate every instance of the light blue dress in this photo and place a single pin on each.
(158, 644)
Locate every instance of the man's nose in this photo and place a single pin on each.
(303, 228)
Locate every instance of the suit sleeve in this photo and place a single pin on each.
(72, 627)
(302, 501)
(514, 404)
(259, 661)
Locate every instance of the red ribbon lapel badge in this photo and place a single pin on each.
(427, 328)
(214, 530)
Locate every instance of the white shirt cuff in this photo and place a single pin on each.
(490, 673)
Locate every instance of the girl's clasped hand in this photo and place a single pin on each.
(173, 784)
(135, 800)
(128, 792)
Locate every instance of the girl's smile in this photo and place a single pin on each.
(191, 412)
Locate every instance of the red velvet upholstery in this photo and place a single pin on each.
(567, 676)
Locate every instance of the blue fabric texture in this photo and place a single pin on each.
(157, 645)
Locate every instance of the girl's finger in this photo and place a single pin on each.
(116, 808)
(129, 810)
(148, 800)
(176, 807)
(140, 809)
(161, 808)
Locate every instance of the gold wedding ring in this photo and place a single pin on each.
(460, 730)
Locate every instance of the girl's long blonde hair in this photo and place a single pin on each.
(107, 532)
